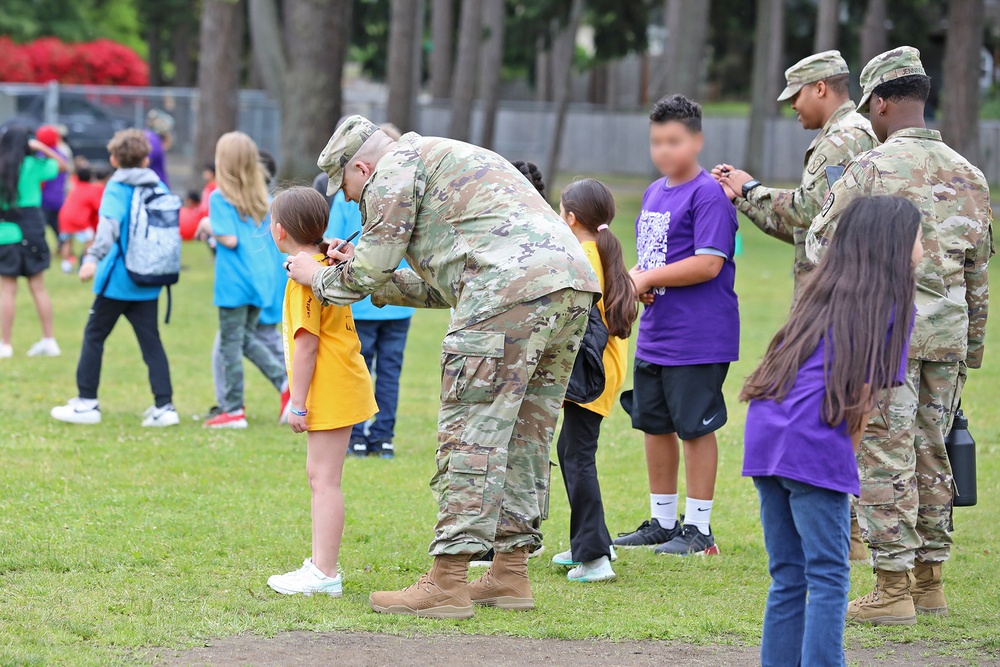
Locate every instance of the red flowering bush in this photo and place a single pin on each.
(47, 59)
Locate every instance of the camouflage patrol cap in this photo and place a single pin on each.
(343, 145)
(889, 66)
(814, 68)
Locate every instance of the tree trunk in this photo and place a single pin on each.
(765, 78)
(490, 66)
(442, 38)
(182, 48)
(543, 71)
(268, 45)
(683, 63)
(219, 67)
(399, 68)
(960, 108)
(316, 43)
(827, 26)
(154, 44)
(463, 85)
(563, 51)
(874, 35)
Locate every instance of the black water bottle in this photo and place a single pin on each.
(962, 455)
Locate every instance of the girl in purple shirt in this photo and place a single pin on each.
(810, 400)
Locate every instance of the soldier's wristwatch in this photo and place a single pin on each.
(748, 186)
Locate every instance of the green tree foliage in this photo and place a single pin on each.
(73, 21)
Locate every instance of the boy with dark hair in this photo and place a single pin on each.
(688, 333)
(117, 294)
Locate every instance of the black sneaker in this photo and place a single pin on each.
(691, 542)
(383, 450)
(359, 448)
(648, 534)
(486, 559)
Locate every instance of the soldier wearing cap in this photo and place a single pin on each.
(818, 91)
(906, 480)
(480, 240)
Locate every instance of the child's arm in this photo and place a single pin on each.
(303, 367)
(219, 219)
(688, 271)
(869, 400)
(226, 240)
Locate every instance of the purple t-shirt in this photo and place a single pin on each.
(697, 324)
(792, 439)
(54, 191)
(157, 156)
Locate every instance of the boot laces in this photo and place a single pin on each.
(422, 584)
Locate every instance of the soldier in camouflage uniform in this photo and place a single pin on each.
(906, 480)
(481, 240)
(818, 90)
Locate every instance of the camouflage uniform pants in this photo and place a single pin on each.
(502, 384)
(906, 481)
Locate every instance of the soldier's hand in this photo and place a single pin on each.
(302, 267)
(336, 254)
(719, 170)
(734, 180)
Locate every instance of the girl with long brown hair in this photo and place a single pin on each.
(588, 208)
(331, 389)
(810, 399)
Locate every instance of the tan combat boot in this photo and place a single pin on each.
(441, 593)
(889, 604)
(859, 552)
(927, 589)
(505, 585)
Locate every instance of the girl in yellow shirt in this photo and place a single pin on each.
(588, 207)
(331, 389)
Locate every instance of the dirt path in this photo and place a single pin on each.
(358, 649)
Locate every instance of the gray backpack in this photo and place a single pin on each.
(153, 255)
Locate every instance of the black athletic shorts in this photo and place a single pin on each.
(31, 256)
(686, 400)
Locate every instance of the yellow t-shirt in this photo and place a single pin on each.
(341, 391)
(615, 354)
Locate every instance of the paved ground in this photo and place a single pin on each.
(293, 649)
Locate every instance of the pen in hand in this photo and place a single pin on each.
(344, 245)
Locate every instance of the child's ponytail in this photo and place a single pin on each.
(593, 205)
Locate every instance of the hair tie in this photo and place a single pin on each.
(321, 241)
(602, 228)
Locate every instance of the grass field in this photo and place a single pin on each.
(119, 544)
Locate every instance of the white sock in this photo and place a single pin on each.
(88, 402)
(663, 508)
(48, 340)
(698, 513)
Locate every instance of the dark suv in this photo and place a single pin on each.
(89, 125)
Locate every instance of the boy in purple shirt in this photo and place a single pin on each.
(689, 332)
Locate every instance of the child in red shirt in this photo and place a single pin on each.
(78, 215)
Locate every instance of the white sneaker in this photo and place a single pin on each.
(78, 411)
(307, 580)
(595, 570)
(566, 558)
(159, 417)
(46, 347)
(6, 351)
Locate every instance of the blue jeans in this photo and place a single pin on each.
(807, 533)
(382, 345)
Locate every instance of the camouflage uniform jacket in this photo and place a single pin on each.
(786, 214)
(478, 236)
(954, 201)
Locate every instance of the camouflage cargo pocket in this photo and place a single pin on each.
(470, 366)
(878, 497)
(467, 480)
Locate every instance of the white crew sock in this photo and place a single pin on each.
(698, 513)
(663, 508)
(87, 403)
